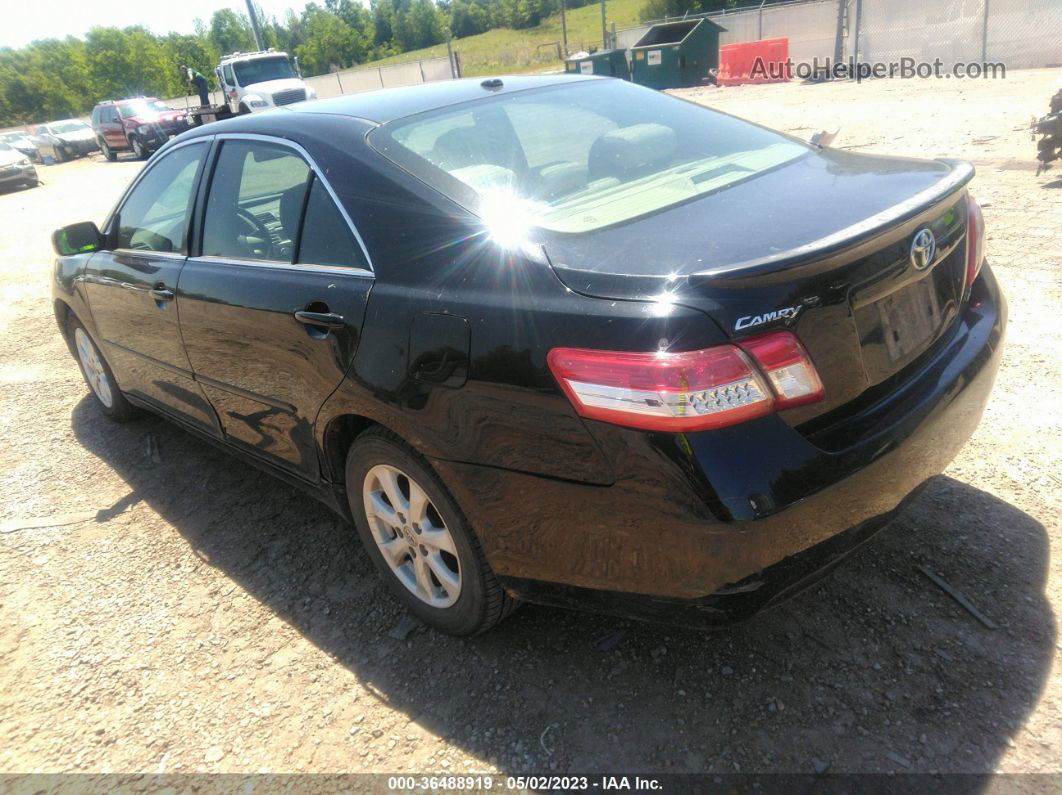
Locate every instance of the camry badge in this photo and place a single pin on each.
(923, 249)
(787, 313)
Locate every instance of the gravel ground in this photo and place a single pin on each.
(164, 609)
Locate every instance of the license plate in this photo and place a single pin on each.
(909, 318)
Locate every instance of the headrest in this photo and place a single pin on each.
(628, 150)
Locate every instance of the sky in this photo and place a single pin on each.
(25, 21)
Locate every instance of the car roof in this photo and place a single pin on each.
(386, 105)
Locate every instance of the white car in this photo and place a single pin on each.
(65, 139)
(257, 81)
(16, 168)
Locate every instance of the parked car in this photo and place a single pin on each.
(64, 140)
(21, 142)
(561, 340)
(16, 168)
(139, 125)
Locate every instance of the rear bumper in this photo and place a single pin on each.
(725, 522)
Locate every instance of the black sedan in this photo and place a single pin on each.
(554, 339)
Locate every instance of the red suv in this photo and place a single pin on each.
(142, 125)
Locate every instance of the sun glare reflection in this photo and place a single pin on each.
(507, 217)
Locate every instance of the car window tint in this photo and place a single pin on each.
(154, 217)
(552, 133)
(577, 157)
(255, 202)
(227, 70)
(326, 237)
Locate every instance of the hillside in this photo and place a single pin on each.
(507, 51)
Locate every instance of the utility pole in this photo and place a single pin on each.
(838, 42)
(604, 30)
(255, 28)
(564, 26)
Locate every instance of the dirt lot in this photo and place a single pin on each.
(163, 608)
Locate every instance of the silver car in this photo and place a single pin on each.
(65, 139)
(15, 168)
(21, 142)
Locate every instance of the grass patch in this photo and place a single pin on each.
(505, 51)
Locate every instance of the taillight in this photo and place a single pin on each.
(691, 391)
(975, 239)
(789, 368)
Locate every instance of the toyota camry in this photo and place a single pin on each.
(551, 339)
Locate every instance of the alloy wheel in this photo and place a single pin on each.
(92, 366)
(411, 536)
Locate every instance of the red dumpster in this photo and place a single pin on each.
(764, 61)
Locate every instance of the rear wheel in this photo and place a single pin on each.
(107, 152)
(98, 375)
(418, 538)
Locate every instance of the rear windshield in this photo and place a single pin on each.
(579, 157)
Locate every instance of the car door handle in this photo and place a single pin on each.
(320, 319)
(161, 294)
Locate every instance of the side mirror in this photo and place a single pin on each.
(80, 238)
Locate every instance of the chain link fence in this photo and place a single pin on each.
(1018, 33)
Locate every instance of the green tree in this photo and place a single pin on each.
(331, 43)
(231, 32)
(126, 63)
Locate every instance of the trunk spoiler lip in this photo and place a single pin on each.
(955, 180)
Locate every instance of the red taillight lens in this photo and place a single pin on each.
(975, 239)
(692, 391)
(789, 368)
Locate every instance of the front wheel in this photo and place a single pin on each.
(98, 375)
(139, 150)
(418, 538)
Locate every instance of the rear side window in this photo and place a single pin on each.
(154, 216)
(255, 202)
(326, 237)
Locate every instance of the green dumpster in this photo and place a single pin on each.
(676, 54)
(610, 63)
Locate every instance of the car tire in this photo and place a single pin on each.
(425, 551)
(140, 151)
(59, 156)
(107, 152)
(97, 374)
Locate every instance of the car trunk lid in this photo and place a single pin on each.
(822, 246)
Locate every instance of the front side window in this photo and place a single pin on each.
(579, 157)
(154, 217)
(227, 72)
(255, 202)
